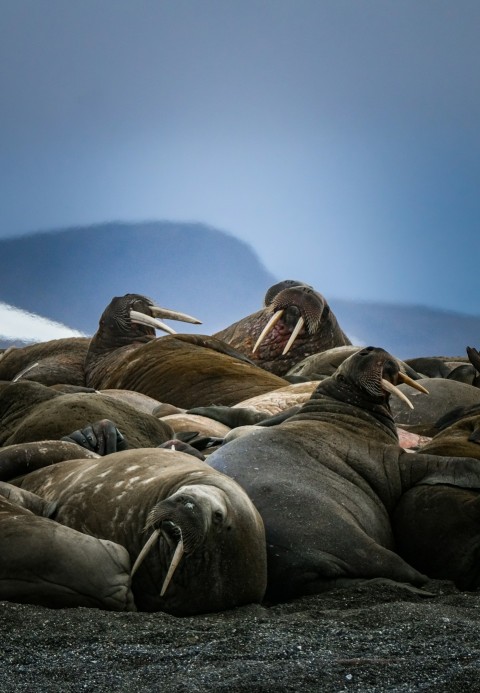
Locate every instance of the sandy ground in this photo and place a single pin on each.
(376, 636)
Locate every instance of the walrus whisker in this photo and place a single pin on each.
(390, 387)
(294, 335)
(173, 315)
(146, 548)
(143, 319)
(268, 328)
(413, 383)
(177, 557)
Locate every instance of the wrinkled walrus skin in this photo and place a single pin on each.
(186, 370)
(42, 562)
(112, 497)
(291, 301)
(30, 412)
(326, 481)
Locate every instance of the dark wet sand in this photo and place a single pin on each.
(372, 637)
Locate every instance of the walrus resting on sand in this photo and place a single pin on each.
(327, 480)
(205, 540)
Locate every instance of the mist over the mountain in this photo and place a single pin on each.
(70, 275)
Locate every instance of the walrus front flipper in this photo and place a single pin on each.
(101, 437)
(45, 563)
(423, 468)
(26, 499)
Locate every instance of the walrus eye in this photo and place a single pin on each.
(366, 351)
(218, 517)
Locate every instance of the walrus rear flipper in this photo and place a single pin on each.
(45, 563)
(293, 575)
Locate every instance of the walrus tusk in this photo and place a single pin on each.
(7, 351)
(173, 315)
(294, 335)
(144, 319)
(24, 372)
(268, 328)
(177, 557)
(413, 383)
(144, 551)
(389, 387)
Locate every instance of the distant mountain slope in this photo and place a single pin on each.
(408, 331)
(70, 275)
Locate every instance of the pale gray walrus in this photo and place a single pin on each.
(327, 480)
(205, 540)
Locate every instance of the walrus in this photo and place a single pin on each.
(444, 395)
(326, 480)
(43, 562)
(206, 539)
(185, 370)
(437, 530)
(50, 363)
(30, 411)
(295, 322)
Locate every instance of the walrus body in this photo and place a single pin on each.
(185, 370)
(326, 480)
(113, 498)
(30, 412)
(437, 530)
(42, 562)
(52, 362)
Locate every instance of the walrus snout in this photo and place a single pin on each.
(179, 517)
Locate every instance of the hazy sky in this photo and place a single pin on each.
(340, 138)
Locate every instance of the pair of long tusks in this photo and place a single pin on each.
(271, 324)
(177, 556)
(390, 387)
(149, 321)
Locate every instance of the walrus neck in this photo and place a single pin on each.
(345, 392)
(106, 342)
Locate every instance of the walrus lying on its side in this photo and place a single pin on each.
(205, 540)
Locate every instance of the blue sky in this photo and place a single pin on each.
(341, 139)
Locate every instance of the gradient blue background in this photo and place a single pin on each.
(341, 139)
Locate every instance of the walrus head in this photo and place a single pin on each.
(126, 323)
(132, 318)
(296, 321)
(370, 376)
(207, 551)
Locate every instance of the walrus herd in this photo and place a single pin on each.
(193, 473)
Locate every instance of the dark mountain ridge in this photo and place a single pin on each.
(70, 275)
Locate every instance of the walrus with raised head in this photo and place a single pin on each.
(185, 370)
(295, 322)
(327, 480)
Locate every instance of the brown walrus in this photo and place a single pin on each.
(296, 322)
(184, 370)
